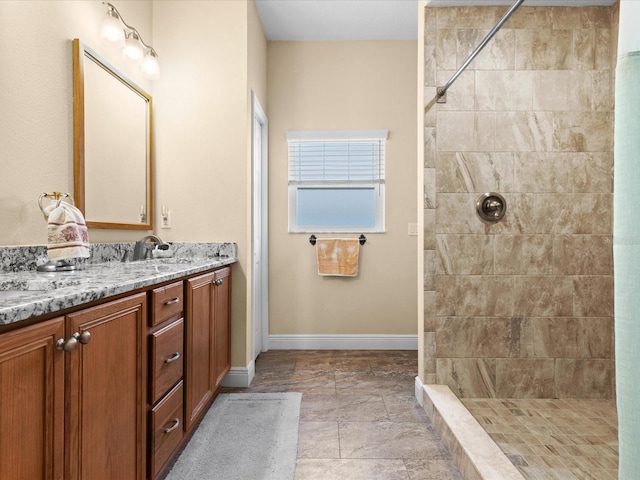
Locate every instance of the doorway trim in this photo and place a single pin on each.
(260, 226)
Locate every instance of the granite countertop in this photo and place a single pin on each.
(28, 294)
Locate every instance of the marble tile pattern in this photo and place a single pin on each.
(359, 418)
(26, 293)
(523, 307)
(551, 439)
(476, 454)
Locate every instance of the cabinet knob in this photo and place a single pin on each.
(71, 343)
(173, 358)
(176, 423)
(84, 337)
(218, 282)
(67, 345)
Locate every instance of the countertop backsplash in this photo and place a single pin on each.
(25, 258)
(26, 293)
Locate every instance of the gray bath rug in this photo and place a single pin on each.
(244, 436)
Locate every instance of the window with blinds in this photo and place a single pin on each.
(336, 181)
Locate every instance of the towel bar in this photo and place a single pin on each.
(362, 239)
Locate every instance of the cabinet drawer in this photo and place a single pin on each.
(166, 429)
(166, 302)
(167, 347)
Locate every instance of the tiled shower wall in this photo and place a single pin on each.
(522, 308)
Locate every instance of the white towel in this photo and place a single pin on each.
(67, 234)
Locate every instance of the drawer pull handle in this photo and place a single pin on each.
(176, 423)
(172, 301)
(173, 358)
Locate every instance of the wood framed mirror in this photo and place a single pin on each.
(112, 145)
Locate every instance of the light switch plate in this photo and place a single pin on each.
(413, 229)
(165, 218)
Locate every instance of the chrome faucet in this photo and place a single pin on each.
(141, 250)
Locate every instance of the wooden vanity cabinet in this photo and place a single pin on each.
(222, 325)
(166, 366)
(32, 403)
(75, 414)
(102, 392)
(105, 392)
(207, 341)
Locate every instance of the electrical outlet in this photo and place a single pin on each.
(413, 229)
(166, 218)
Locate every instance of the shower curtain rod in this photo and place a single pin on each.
(443, 90)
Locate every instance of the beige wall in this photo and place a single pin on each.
(257, 60)
(524, 307)
(36, 101)
(213, 55)
(344, 85)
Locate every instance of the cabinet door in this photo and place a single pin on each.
(222, 322)
(199, 354)
(106, 400)
(32, 403)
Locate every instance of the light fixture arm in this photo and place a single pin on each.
(130, 28)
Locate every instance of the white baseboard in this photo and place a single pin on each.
(419, 388)
(343, 342)
(240, 376)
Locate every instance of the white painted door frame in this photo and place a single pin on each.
(260, 238)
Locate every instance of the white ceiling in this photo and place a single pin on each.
(339, 19)
(364, 19)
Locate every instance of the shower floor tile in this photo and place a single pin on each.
(553, 439)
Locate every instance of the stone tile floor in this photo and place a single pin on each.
(359, 418)
(551, 439)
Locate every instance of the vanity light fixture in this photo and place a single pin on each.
(116, 30)
(111, 29)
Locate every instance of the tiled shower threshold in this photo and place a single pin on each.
(538, 439)
(477, 455)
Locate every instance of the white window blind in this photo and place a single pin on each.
(336, 157)
(336, 180)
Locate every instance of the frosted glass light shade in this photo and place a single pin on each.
(150, 67)
(132, 49)
(135, 51)
(111, 29)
